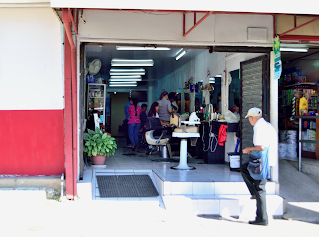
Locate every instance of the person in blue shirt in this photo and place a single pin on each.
(127, 117)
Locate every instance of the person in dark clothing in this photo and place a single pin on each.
(143, 118)
(173, 98)
(90, 122)
(219, 103)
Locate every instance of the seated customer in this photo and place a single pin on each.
(237, 107)
(153, 110)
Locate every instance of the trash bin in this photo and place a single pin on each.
(234, 161)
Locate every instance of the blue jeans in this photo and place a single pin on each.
(133, 132)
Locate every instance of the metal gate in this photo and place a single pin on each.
(254, 85)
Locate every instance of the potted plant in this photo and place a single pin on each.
(98, 145)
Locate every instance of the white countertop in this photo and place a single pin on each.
(185, 134)
(189, 122)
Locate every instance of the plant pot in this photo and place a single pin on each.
(98, 160)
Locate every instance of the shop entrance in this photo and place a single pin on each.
(298, 81)
(198, 67)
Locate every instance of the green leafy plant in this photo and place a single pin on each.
(97, 143)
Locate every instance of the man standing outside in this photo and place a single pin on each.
(265, 140)
(127, 117)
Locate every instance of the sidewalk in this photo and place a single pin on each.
(301, 193)
(86, 219)
(51, 218)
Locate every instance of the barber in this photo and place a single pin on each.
(165, 109)
(265, 138)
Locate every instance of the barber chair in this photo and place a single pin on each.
(158, 138)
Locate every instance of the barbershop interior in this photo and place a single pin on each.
(204, 132)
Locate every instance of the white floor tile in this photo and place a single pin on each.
(166, 187)
(203, 188)
(181, 188)
(129, 199)
(241, 188)
(224, 188)
(271, 188)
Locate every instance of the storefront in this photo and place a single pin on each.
(99, 31)
(226, 39)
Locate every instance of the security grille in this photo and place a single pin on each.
(254, 93)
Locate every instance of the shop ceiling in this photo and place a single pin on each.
(164, 61)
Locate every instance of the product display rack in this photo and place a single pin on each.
(285, 102)
(96, 96)
(300, 141)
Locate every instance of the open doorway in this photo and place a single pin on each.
(165, 72)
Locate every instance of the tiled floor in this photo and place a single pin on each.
(209, 189)
(127, 160)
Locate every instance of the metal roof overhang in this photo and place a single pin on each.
(271, 6)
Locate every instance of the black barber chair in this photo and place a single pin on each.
(158, 138)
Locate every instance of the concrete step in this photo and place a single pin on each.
(223, 205)
(130, 204)
(207, 188)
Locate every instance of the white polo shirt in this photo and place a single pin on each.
(265, 135)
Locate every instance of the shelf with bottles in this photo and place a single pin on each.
(287, 97)
(290, 76)
(309, 138)
(96, 99)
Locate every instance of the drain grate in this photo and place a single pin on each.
(126, 186)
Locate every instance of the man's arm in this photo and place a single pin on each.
(248, 150)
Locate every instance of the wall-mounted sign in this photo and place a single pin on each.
(277, 58)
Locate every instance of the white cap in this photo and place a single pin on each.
(254, 112)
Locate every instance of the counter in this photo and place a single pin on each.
(207, 146)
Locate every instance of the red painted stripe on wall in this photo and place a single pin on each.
(32, 142)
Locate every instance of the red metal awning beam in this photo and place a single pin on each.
(300, 37)
(184, 23)
(200, 21)
(72, 20)
(72, 160)
(302, 25)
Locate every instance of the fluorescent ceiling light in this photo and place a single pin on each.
(212, 80)
(294, 50)
(219, 75)
(179, 51)
(132, 63)
(181, 54)
(116, 85)
(140, 48)
(124, 82)
(126, 79)
(140, 71)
